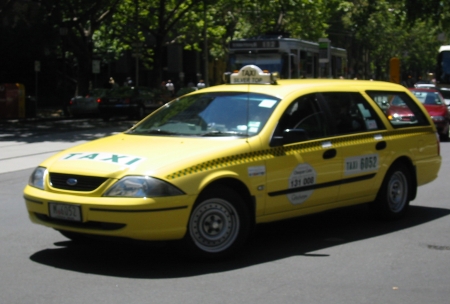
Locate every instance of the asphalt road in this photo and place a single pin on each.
(344, 256)
(25, 143)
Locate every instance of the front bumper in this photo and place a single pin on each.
(158, 219)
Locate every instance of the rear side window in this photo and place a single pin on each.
(351, 113)
(400, 109)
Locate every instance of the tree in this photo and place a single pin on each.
(380, 30)
(77, 21)
(227, 20)
(21, 27)
(153, 24)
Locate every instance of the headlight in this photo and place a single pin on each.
(37, 178)
(142, 186)
(395, 117)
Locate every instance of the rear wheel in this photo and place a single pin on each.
(394, 195)
(219, 224)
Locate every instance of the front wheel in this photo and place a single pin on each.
(219, 224)
(394, 195)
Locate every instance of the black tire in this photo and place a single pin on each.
(219, 224)
(445, 136)
(393, 197)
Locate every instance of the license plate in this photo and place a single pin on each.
(65, 212)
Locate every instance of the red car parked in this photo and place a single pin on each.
(433, 102)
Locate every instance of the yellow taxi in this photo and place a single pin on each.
(207, 167)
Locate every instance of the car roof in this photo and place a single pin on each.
(428, 85)
(285, 87)
(424, 90)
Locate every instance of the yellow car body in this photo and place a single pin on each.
(274, 178)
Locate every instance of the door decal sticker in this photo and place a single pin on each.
(303, 175)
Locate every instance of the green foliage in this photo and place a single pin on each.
(185, 90)
(372, 31)
(381, 30)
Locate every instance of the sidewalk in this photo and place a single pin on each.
(51, 124)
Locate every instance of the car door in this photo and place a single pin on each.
(305, 166)
(363, 145)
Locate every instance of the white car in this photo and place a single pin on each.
(446, 94)
(425, 85)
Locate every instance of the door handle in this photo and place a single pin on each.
(381, 145)
(329, 154)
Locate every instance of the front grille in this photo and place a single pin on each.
(83, 183)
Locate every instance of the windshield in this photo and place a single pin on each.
(210, 114)
(428, 98)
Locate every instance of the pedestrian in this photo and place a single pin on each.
(201, 84)
(170, 87)
(112, 83)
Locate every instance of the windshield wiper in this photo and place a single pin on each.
(159, 131)
(221, 133)
(152, 131)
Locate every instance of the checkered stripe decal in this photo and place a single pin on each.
(247, 158)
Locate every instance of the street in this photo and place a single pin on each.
(343, 256)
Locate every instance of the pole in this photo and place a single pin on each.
(63, 32)
(37, 69)
(137, 71)
(205, 46)
(136, 12)
(36, 90)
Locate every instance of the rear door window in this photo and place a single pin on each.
(351, 113)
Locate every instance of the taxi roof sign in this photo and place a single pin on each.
(251, 74)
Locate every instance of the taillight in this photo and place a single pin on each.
(99, 100)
